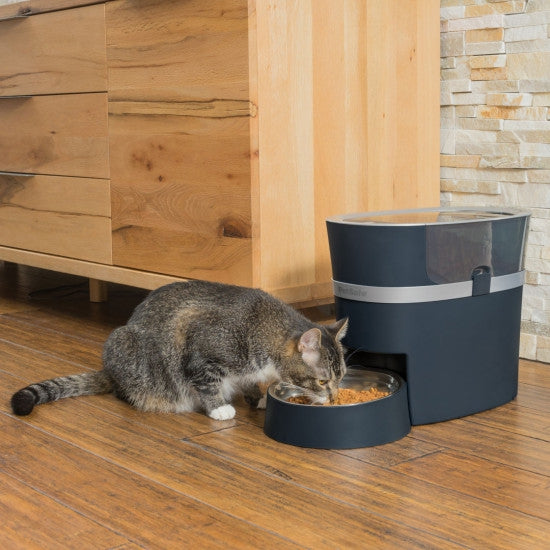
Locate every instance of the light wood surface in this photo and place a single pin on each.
(285, 187)
(47, 54)
(104, 272)
(188, 51)
(179, 138)
(70, 469)
(55, 134)
(180, 196)
(347, 121)
(57, 215)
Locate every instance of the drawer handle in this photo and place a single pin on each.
(17, 174)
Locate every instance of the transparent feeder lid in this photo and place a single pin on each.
(453, 241)
(427, 216)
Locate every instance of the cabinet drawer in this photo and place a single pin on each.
(60, 134)
(181, 198)
(51, 53)
(179, 51)
(56, 215)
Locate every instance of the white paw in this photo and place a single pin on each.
(225, 412)
(262, 402)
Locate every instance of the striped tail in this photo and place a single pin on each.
(87, 383)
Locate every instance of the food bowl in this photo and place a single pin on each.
(350, 426)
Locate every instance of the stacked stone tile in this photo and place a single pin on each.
(495, 129)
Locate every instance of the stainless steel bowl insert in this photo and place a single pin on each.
(355, 379)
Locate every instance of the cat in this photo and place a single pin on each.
(192, 345)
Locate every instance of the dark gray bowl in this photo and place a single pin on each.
(343, 426)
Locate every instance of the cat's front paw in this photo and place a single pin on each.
(262, 402)
(225, 412)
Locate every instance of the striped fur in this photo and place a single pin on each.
(74, 385)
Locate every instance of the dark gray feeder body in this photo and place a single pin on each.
(435, 295)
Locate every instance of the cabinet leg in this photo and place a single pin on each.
(98, 291)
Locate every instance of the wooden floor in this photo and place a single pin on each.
(93, 473)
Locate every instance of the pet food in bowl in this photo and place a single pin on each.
(346, 396)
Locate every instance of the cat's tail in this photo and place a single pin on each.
(87, 383)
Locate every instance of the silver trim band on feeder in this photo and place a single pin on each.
(416, 294)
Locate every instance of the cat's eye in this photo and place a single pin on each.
(323, 382)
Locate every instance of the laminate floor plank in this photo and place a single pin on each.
(502, 447)
(517, 419)
(505, 486)
(112, 499)
(65, 323)
(76, 315)
(32, 520)
(9, 305)
(534, 374)
(393, 453)
(534, 397)
(72, 348)
(416, 500)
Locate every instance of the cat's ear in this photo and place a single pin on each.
(339, 329)
(309, 346)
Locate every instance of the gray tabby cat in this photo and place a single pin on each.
(192, 345)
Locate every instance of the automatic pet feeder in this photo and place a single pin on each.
(434, 296)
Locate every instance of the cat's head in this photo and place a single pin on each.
(315, 361)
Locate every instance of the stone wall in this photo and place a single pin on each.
(495, 129)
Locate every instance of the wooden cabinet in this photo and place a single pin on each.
(62, 135)
(211, 138)
(57, 52)
(56, 215)
(54, 149)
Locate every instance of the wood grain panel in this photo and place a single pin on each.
(342, 128)
(283, 202)
(47, 54)
(57, 134)
(377, 133)
(347, 121)
(57, 215)
(179, 109)
(104, 272)
(177, 51)
(181, 196)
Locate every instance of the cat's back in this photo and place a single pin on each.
(201, 298)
